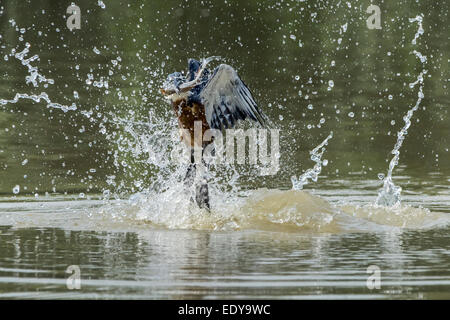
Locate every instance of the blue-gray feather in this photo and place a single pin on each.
(227, 99)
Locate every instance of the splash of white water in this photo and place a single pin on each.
(37, 98)
(34, 76)
(390, 194)
(313, 174)
(420, 31)
(101, 4)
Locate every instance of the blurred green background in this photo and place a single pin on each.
(286, 51)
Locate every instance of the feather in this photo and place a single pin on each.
(227, 99)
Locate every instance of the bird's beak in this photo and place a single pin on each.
(167, 91)
(168, 88)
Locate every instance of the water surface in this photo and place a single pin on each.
(84, 178)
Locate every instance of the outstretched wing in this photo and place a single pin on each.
(227, 99)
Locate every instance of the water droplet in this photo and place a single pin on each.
(101, 4)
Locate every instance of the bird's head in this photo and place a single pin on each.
(172, 83)
(177, 85)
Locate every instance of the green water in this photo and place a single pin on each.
(287, 52)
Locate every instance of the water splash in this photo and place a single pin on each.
(34, 76)
(390, 194)
(420, 31)
(16, 189)
(101, 4)
(262, 209)
(313, 174)
(37, 98)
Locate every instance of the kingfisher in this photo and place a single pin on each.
(217, 99)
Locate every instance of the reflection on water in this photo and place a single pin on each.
(194, 264)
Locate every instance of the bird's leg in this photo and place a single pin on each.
(191, 171)
(202, 194)
(201, 185)
(201, 188)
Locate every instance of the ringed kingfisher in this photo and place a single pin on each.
(218, 99)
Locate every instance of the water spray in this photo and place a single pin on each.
(389, 194)
(313, 174)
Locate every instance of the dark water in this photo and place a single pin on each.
(287, 52)
(254, 37)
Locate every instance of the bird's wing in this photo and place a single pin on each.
(227, 99)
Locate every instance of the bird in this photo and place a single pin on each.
(218, 99)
